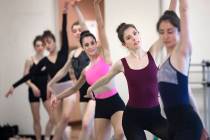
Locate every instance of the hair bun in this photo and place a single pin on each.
(120, 27)
(170, 13)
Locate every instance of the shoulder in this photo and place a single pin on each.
(118, 65)
(29, 61)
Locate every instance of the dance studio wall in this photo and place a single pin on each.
(21, 21)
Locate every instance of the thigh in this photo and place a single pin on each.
(31, 97)
(35, 111)
(159, 127)
(131, 127)
(116, 121)
(68, 104)
(102, 129)
(89, 112)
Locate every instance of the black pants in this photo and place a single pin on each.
(136, 120)
(184, 123)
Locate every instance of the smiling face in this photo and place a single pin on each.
(168, 34)
(131, 38)
(90, 45)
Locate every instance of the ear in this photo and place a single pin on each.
(123, 44)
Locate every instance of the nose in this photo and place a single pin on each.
(165, 36)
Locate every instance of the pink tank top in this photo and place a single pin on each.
(95, 72)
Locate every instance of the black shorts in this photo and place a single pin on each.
(105, 108)
(83, 92)
(32, 98)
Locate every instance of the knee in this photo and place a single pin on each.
(52, 120)
(85, 125)
(65, 119)
(36, 120)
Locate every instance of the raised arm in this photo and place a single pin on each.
(185, 44)
(102, 32)
(157, 46)
(173, 5)
(80, 16)
(64, 34)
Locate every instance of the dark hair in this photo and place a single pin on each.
(48, 34)
(37, 38)
(121, 29)
(74, 24)
(170, 16)
(86, 34)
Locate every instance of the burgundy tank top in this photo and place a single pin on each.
(142, 84)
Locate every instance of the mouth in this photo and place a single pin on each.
(136, 43)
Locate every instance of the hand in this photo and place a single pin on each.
(53, 101)
(36, 91)
(49, 91)
(66, 7)
(90, 94)
(97, 1)
(9, 92)
(74, 2)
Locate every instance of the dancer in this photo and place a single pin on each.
(49, 66)
(78, 60)
(109, 105)
(184, 122)
(37, 90)
(140, 69)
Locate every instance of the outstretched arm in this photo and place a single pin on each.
(62, 72)
(116, 68)
(74, 89)
(102, 32)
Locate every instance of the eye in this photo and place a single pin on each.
(135, 33)
(161, 32)
(74, 31)
(128, 37)
(92, 43)
(86, 44)
(170, 31)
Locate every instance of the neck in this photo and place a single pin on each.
(38, 55)
(137, 53)
(169, 51)
(94, 58)
(52, 53)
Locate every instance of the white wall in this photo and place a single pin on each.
(21, 21)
